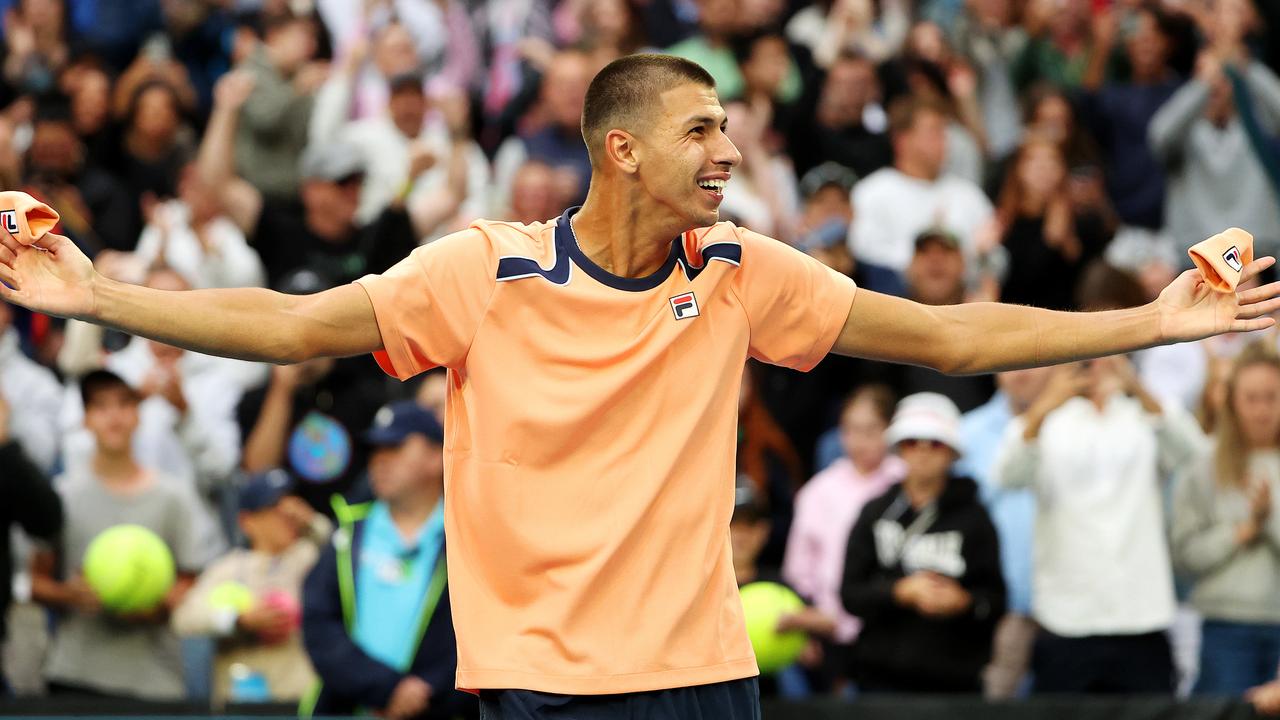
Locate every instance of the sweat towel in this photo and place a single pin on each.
(1222, 258)
(26, 218)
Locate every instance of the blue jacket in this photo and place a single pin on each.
(350, 678)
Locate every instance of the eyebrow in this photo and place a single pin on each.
(705, 120)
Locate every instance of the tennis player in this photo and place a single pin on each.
(594, 364)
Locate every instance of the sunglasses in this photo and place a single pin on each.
(918, 443)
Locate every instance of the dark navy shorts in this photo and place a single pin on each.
(731, 700)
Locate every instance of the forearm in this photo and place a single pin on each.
(1172, 123)
(994, 337)
(979, 338)
(215, 161)
(244, 323)
(264, 449)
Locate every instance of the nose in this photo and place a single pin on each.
(726, 154)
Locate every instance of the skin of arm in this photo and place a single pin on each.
(977, 338)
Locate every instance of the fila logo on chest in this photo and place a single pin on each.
(684, 305)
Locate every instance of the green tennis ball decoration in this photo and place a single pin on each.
(764, 603)
(129, 568)
(232, 596)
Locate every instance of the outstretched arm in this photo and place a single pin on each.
(976, 338)
(54, 277)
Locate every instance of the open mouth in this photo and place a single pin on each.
(715, 187)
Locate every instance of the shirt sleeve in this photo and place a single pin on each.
(430, 304)
(796, 306)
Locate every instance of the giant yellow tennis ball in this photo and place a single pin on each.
(764, 603)
(129, 567)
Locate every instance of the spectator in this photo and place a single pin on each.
(1048, 241)
(186, 429)
(27, 501)
(1224, 536)
(1014, 513)
(88, 199)
(434, 168)
(193, 235)
(605, 29)
(553, 134)
(393, 555)
(892, 205)
(272, 128)
(89, 89)
(284, 536)
(988, 38)
(35, 391)
(320, 234)
(828, 505)
(35, 45)
(711, 47)
(539, 192)
(825, 218)
(937, 276)
(1058, 44)
(764, 193)
(1118, 113)
(96, 652)
(922, 567)
(829, 28)
(1217, 167)
(846, 123)
(1093, 447)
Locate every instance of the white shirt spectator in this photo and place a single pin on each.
(34, 396)
(1101, 560)
(891, 208)
(223, 259)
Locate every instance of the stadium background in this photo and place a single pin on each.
(1082, 146)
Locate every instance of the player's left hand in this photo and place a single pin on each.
(1191, 310)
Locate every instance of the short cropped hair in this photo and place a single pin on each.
(97, 382)
(904, 111)
(624, 93)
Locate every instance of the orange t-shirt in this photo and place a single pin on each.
(590, 442)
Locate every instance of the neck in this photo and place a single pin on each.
(864, 467)
(915, 170)
(624, 235)
(117, 468)
(411, 511)
(922, 491)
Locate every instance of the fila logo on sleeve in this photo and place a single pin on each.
(10, 220)
(1232, 256)
(684, 306)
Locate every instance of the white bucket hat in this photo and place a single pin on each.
(926, 416)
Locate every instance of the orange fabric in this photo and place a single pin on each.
(1222, 257)
(590, 442)
(24, 217)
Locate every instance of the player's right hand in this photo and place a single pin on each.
(51, 276)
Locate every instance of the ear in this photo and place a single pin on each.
(622, 150)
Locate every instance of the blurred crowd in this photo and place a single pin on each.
(1101, 527)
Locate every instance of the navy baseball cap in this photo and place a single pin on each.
(263, 490)
(398, 420)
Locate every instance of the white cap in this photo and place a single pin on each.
(926, 416)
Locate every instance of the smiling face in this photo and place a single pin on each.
(684, 159)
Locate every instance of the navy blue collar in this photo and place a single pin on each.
(566, 242)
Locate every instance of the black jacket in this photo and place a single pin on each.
(28, 500)
(900, 649)
(353, 679)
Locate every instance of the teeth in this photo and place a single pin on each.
(712, 184)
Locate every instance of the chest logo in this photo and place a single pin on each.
(684, 306)
(1232, 256)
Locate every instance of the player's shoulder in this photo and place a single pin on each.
(514, 239)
